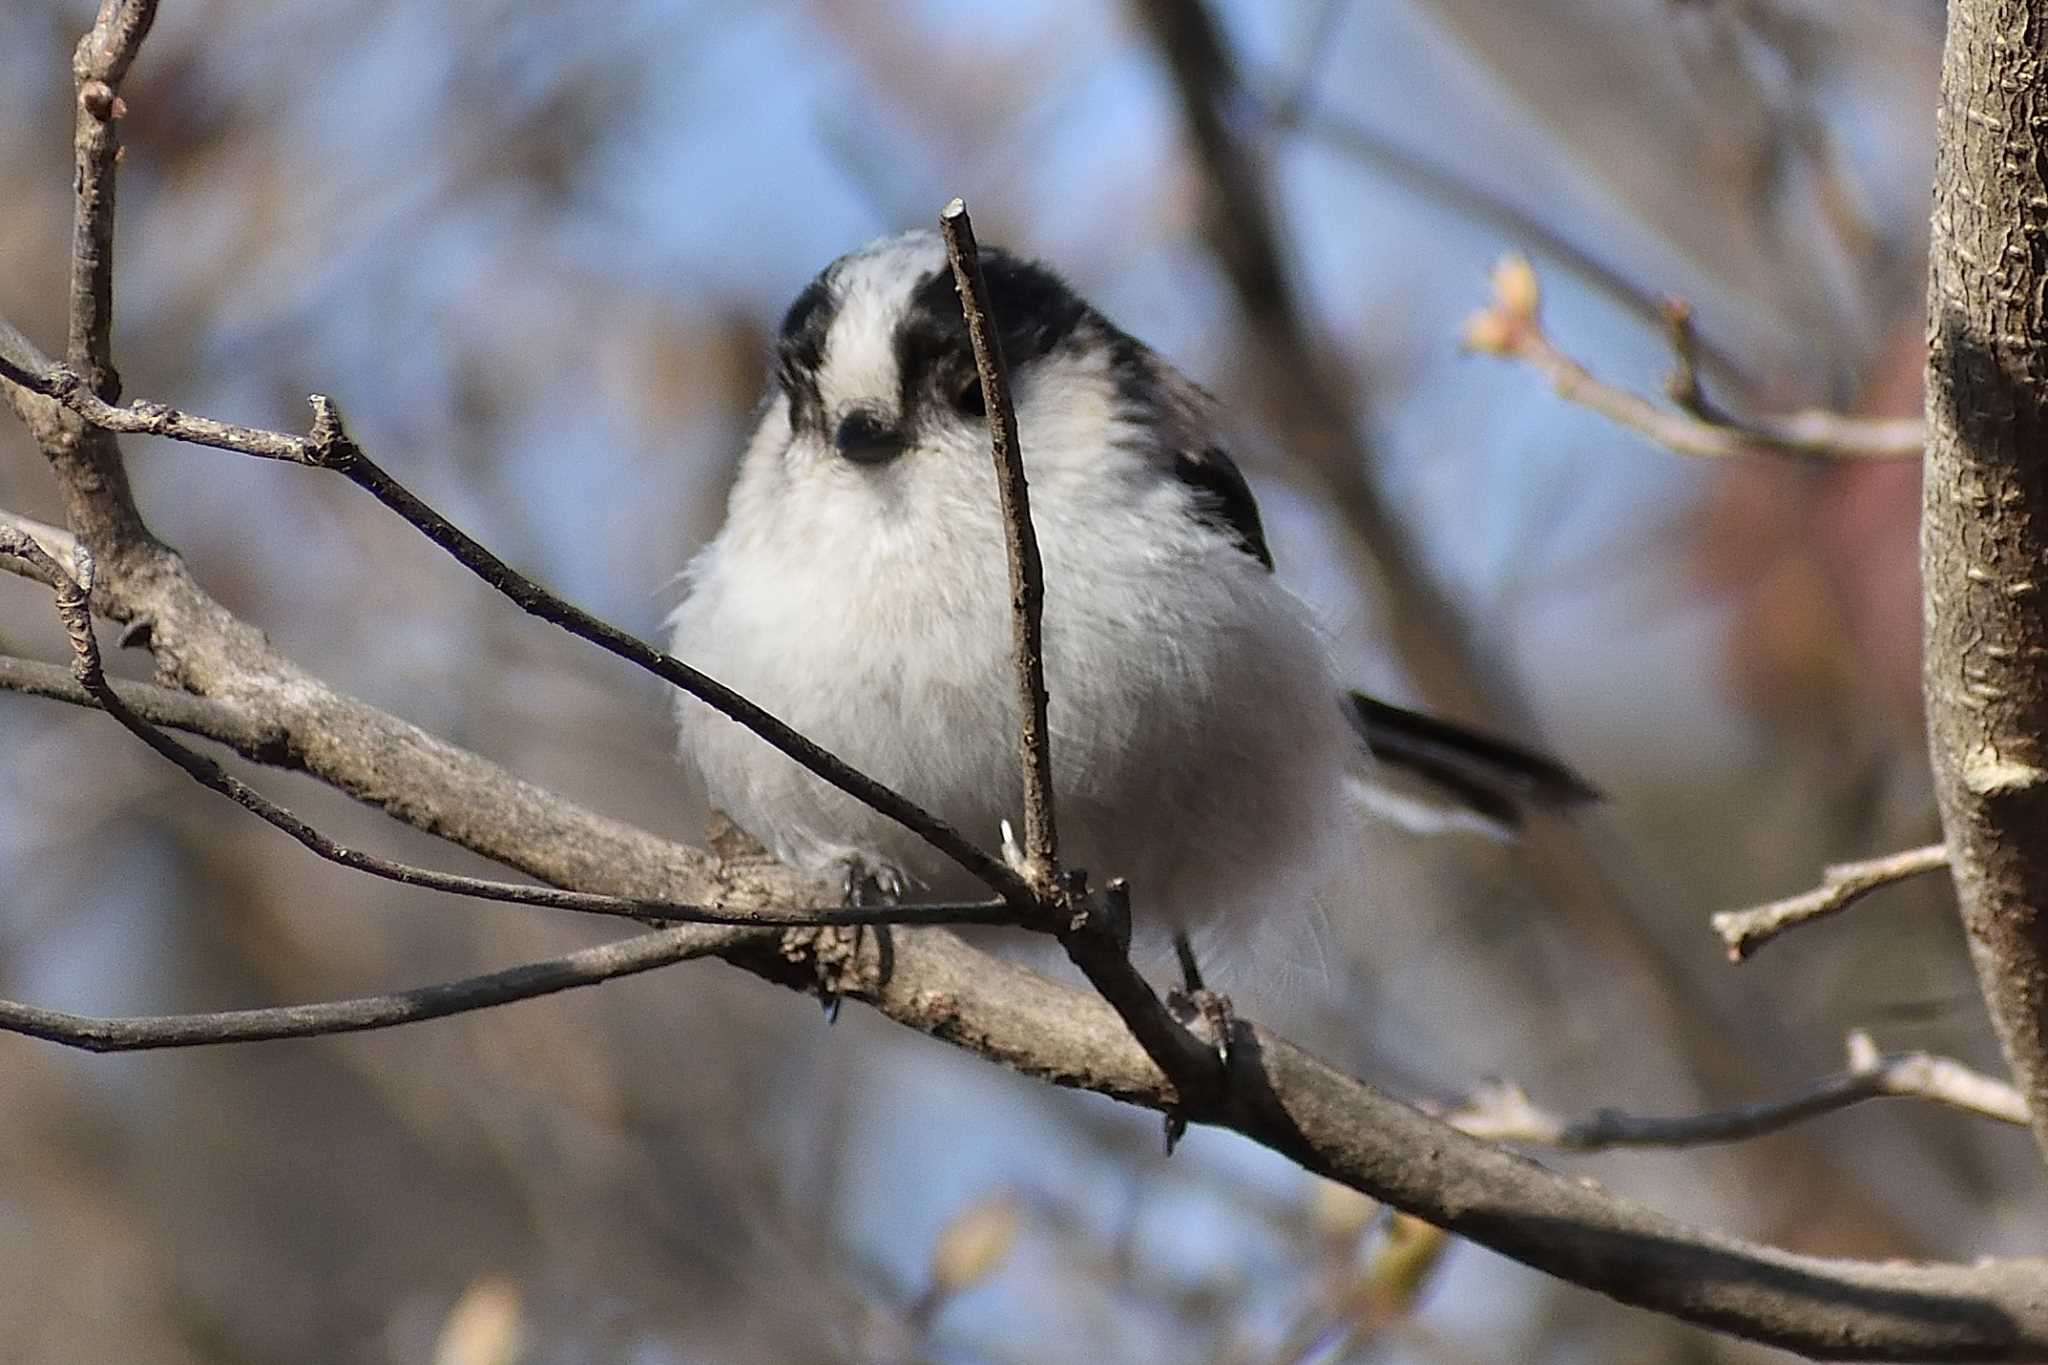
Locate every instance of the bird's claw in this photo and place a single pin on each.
(1193, 1001)
(861, 883)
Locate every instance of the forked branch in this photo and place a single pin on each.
(1511, 326)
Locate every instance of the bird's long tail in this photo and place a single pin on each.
(1491, 777)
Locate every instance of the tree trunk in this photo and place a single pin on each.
(1984, 533)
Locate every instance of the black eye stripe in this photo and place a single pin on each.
(816, 295)
(800, 348)
(1035, 314)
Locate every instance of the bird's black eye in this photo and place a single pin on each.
(967, 398)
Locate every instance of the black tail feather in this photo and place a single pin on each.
(1492, 777)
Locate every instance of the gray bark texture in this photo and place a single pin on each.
(1984, 536)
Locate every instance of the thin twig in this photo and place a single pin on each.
(1511, 327)
(1503, 1112)
(1027, 570)
(586, 967)
(98, 66)
(91, 676)
(328, 446)
(1439, 179)
(265, 741)
(1682, 385)
(1095, 930)
(98, 503)
(56, 544)
(1745, 931)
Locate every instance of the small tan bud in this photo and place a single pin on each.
(1515, 291)
(100, 101)
(1488, 333)
(974, 1244)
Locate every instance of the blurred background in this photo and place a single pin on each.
(535, 250)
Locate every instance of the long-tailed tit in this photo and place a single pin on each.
(1202, 746)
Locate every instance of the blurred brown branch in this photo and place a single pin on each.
(1316, 422)
(1511, 326)
(1317, 417)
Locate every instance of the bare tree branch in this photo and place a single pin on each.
(266, 743)
(55, 543)
(1027, 570)
(1343, 1129)
(100, 506)
(1842, 885)
(99, 65)
(1984, 514)
(387, 763)
(1511, 327)
(1503, 1112)
(585, 967)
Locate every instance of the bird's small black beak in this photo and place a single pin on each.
(864, 438)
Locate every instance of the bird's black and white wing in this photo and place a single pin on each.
(1490, 777)
(1184, 421)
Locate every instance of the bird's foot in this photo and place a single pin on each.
(834, 950)
(1205, 1012)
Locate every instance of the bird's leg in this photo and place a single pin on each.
(835, 951)
(832, 953)
(1193, 999)
(1190, 970)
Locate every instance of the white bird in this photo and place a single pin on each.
(1203, 747)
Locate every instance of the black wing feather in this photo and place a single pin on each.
(1223, 499)
(1485, 773)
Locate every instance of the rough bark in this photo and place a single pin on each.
(1984, 538)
